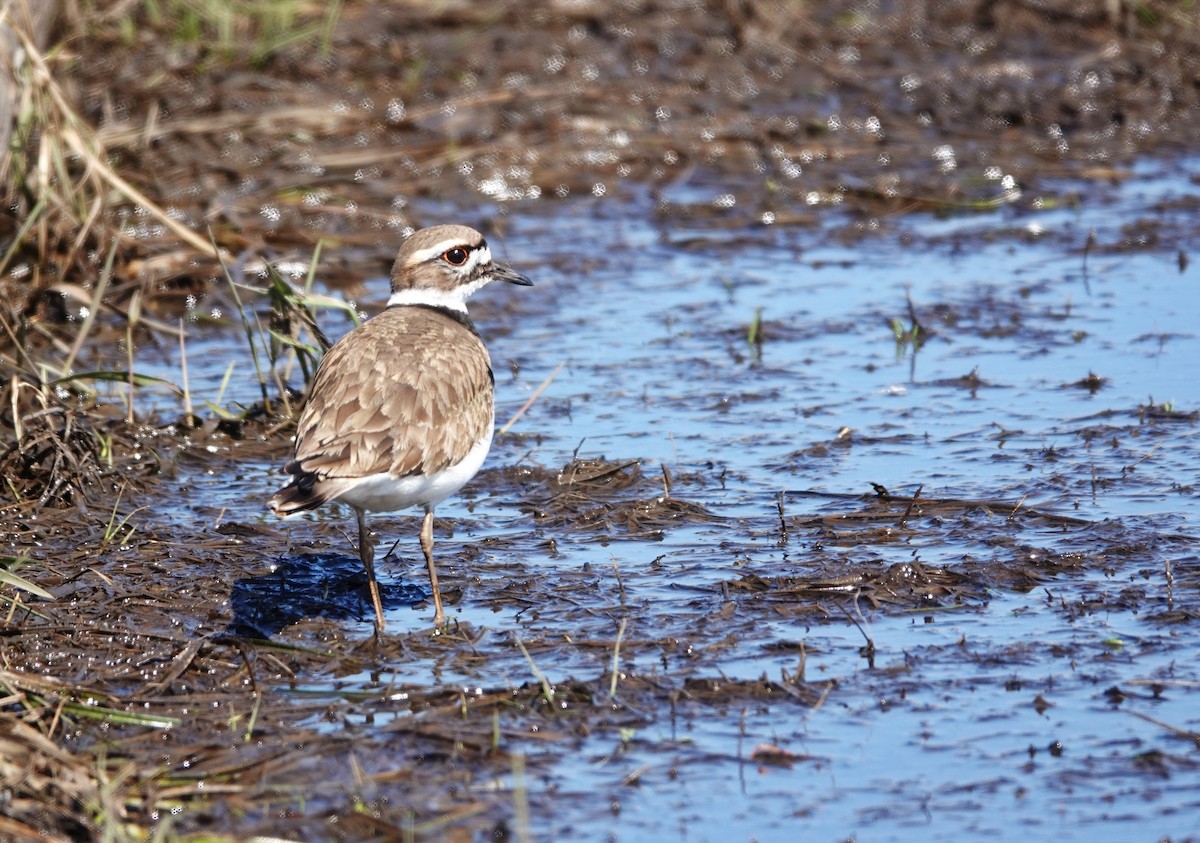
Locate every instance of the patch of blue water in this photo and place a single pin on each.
(649, 317)
(962, 751)
(652, 335)
(657, 363)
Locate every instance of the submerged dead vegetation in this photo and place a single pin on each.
(168, 157)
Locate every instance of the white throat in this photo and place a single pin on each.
(455, 299)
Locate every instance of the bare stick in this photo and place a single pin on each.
(1174, 730)
(187, 395)
(93, 309)
(547, 688)
(1013, 514)
(1146, 455)
(620, 585)
(911, 504)
(528, 403)
(783, 530)
(869, 649)
(612, 686)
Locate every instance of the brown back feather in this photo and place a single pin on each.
(377, 404)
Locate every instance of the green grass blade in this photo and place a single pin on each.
(8, 578)
(120, 377)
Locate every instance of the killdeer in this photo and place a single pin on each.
(400, 412)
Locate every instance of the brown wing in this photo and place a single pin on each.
(407, 392)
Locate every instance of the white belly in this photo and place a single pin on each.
(385, 493)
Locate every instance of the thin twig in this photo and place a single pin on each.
(1012, 515)
(1145, 456)
(783, 530)
(1174, 730)
(529, 402)
(520, 799)
(547, 689)
(620, 585)
(612, 686)
(249, 331)
(93, 309)
(911, 504)
(868, 651)
(187, 395)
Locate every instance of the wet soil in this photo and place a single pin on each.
(880, 109)
(666, 581)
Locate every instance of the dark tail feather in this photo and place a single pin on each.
(300, 495)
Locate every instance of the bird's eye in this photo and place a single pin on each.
(456, 256)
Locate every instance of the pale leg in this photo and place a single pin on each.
(366, 552)
(427, 545)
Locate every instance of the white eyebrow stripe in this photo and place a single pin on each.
(478, 254)
(481, 256)
(437, 249)
(431, 252)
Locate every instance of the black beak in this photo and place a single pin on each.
(500, 272)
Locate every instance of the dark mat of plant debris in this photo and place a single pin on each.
(333, 137)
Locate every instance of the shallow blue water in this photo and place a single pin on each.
(650, 315)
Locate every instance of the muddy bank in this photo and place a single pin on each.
(874, 110)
